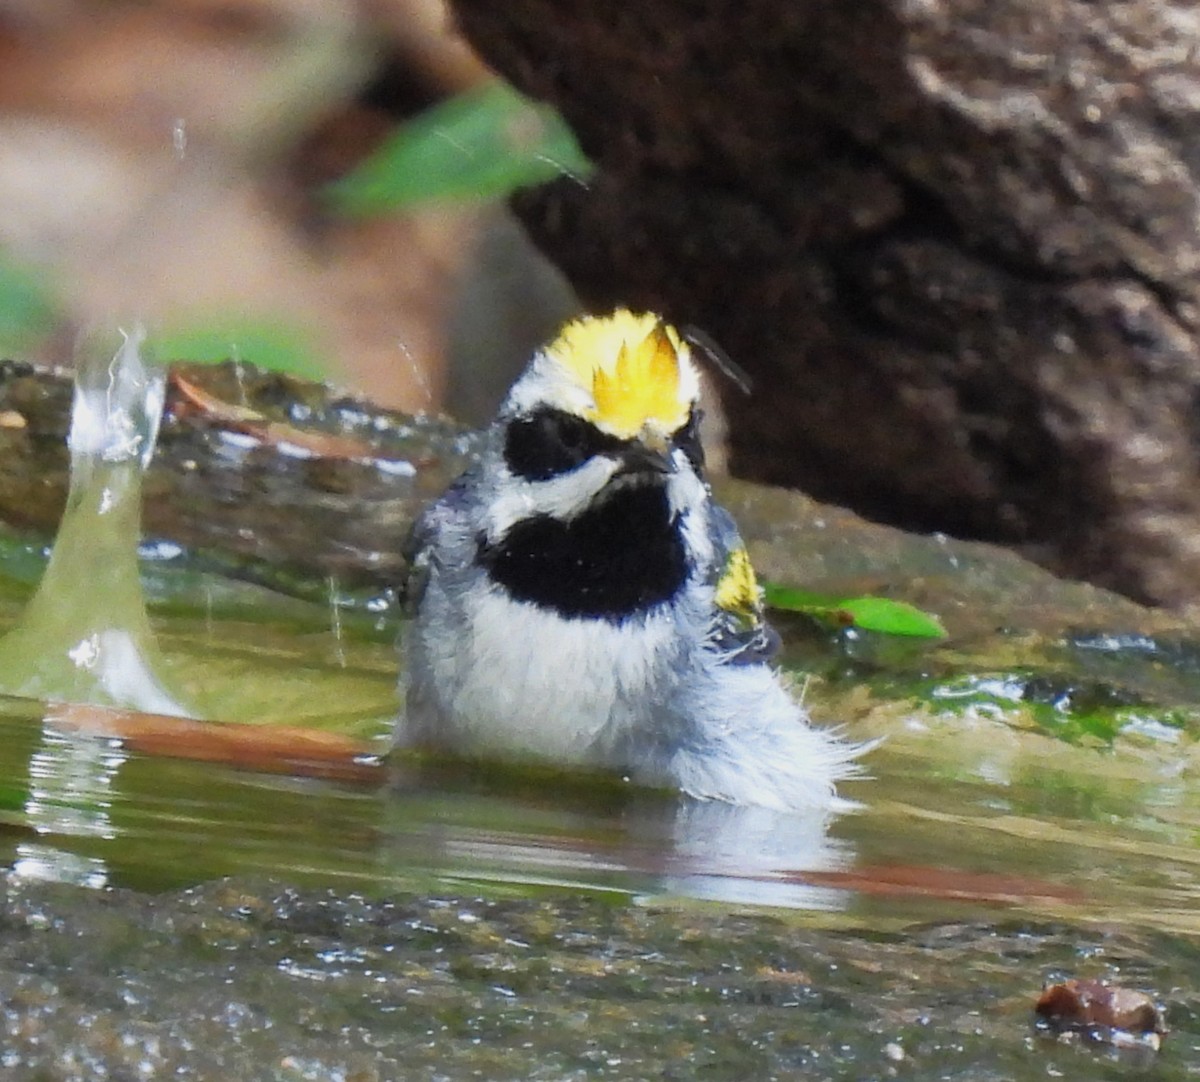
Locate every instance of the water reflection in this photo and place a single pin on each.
(755, 856)
(75, 807)
(70, 795)
(90, 812)
(78, 806)
(644, 844)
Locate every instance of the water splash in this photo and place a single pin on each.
(179, 138)
(419, 375)
(85, 636)
(335, 622)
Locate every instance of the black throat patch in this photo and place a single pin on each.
(610, 562)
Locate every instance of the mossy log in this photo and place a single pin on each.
(275, 476)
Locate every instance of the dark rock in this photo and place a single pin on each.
(956, 244)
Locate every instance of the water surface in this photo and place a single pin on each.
(1030, 816)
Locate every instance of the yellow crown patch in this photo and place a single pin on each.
(634, 366)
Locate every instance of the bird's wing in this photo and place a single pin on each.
(437, 520)
(740, 630)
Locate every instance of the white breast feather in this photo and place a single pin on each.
(529, 681)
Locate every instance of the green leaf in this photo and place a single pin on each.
(792, 599)
(276, 346)
(27, 305)
(869, 613)
(481, 144)
(892, 617)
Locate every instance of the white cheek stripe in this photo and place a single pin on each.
(689, 498)
(561, 497)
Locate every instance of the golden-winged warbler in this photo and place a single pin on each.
(579, 597)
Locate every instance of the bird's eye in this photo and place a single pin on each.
(550, 442)
(687, 439)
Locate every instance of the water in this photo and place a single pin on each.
(191, 898)
(963, 815)
(83, 636)
(1018, 771)
(165, 917)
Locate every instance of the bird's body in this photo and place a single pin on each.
(580, 597)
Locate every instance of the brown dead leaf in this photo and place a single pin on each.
(186, 398)
(1101, 1012)
(309, 753)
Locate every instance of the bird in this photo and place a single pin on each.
(578, 597)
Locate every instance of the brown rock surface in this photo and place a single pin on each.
(955, 242)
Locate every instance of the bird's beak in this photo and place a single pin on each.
(649, 454)
(653, 440)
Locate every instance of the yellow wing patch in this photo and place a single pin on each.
(738, 591)
(635, 367)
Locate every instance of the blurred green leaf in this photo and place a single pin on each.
(869, 613)
(481, 144)
(27, 305)
(276, 346)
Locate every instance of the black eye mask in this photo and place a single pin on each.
(551, 442)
